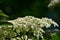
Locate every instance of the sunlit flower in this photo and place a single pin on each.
(25, 27)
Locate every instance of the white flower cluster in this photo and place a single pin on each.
(27, 28)
(53, 3)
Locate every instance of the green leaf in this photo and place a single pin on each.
(2, 14)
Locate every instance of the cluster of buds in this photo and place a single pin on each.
(26, 28)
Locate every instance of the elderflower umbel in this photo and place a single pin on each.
(27, 26)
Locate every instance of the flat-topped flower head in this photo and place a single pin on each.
(26, 25)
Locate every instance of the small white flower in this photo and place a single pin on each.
(13, 38)
(29, 39)
(10, 26)
(26, 37)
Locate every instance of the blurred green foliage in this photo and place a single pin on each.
(56, 37)
(3, 16)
